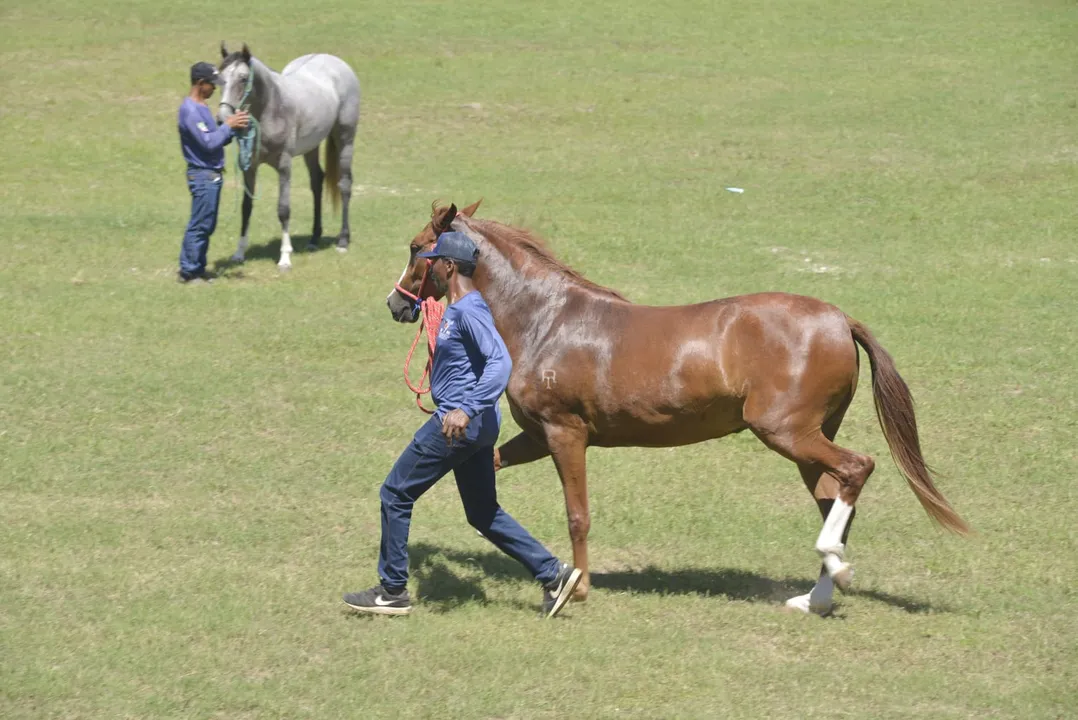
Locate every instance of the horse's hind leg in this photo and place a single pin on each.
(801, 439)
(824, 488)
(315, 171)
(346, 138)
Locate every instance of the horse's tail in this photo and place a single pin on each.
(333, 170)
(894, 408)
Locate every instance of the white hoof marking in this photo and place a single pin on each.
(805, 605)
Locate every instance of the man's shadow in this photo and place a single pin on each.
(441, 589)
(271, 250)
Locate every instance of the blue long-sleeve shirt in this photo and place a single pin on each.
(471, 363)
(203, 143)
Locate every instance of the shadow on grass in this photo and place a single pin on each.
(441, 588)
(271, 250)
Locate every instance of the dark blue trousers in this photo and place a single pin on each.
(205, 187)
(424, 462)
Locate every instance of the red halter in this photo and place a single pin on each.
(431, 318)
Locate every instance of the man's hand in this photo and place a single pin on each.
(454, 424)
(238, 120)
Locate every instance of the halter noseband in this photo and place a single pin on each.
(417, 298)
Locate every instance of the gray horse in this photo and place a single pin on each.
(315, 98)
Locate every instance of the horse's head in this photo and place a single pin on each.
(236, 77)
(414, 285)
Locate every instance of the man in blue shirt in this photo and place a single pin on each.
(469, 373)
(203, 145)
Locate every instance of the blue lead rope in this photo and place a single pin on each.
(249, 143)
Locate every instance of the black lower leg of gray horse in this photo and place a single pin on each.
(345, 185)
(317, 176)
(245, 214)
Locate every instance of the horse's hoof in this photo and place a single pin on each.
(580, 594)
(284, 267)
(802, 603)
(342, 249)
(843, 577)
(311, 247)
(237, 259)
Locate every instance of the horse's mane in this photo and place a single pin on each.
(539, 252)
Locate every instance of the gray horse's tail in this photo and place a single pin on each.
(333, 171)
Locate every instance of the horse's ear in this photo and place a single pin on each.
(442, 221)
(246, 54)
(224, 50)
(470, 210)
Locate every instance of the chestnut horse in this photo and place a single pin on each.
(592, 368)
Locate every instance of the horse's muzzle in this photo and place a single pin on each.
(402, 310)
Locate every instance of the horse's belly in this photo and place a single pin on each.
(317, 108)
(309, 135)
(668, 430)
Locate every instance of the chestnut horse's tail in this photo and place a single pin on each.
(894, 408)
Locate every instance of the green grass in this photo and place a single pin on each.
(189, 477)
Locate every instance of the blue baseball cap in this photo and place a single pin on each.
(454, 246)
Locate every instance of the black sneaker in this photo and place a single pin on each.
(558, 592)
(185, 279)
(380, 601)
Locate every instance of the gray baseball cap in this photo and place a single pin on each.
(454, 246)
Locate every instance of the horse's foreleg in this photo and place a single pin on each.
(317, 176)
(249, 178)
(519, 450)
(284, 172)
(568, 446)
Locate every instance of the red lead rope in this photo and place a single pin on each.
(432, 312)
(432, 318)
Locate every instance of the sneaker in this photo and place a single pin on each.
(185, 279)
(558, 592)
(380, 601)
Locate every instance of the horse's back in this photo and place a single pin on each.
(323, 92)
(325, 69)
(725, 348)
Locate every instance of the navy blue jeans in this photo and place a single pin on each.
(205, 187)
(424, 462)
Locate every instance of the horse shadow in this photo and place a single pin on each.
(442, 589)
(271, 250)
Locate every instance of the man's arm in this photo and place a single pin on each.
(492, 383)
(208, 141)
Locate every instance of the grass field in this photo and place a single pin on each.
(189, 476)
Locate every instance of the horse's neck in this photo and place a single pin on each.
(525, 305)
(266, 91)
